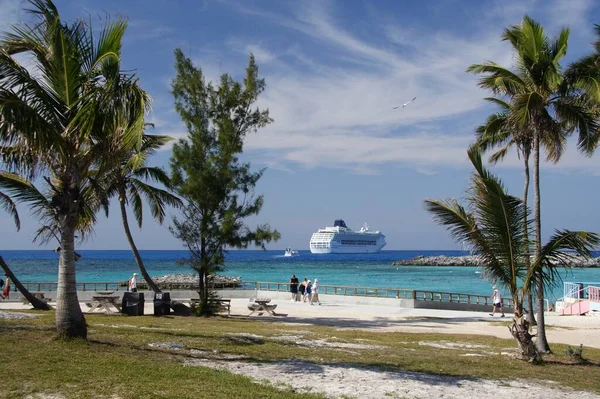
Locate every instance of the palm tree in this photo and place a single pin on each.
(499, 131)
(7, 203)
(541, 106)
(53, 124)
(497, 229)
(127, 181)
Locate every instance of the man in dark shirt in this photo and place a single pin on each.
(294, 287)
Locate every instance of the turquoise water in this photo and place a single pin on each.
(368, 270)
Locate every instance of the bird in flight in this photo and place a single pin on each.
(405, 104)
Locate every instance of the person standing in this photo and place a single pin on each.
(497, 301)
(294, 287)
(308, 292)
(133, 283)
(302, 289)
(315, 293)
(6, 288)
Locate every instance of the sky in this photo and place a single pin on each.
(334, 71)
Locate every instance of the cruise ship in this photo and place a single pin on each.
(339, 239)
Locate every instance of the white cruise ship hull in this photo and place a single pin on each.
(341, 240)
(347, 250)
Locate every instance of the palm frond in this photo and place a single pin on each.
(136, 203)
(499, 155)
(22, 190)
(576, 115)
(156, 198)
(584, 75)
(9, 206)
(154, 174)
(498, 79)
(505, 106)
(544, 269)
(494, 229)
(524, 106)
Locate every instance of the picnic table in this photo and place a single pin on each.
(261, 305)
(223, 303)
(39, 295)
(105, 302)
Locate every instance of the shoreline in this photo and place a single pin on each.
(473, 261)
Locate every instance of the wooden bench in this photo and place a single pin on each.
(223, 303)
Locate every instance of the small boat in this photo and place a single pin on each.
(290, 252)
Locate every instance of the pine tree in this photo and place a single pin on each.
(217, 188)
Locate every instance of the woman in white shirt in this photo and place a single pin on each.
(315, 293)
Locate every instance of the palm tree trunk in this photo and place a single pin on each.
(541, 341)
(70, 322)
(35, 302)
(136, 254)
(526, 154)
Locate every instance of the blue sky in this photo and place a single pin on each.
(334, 70)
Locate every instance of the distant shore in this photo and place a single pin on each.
(473, 260)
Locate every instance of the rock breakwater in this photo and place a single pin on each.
(189, 281)
(474, 260)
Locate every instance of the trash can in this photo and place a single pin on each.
(133, 304)
(162, 303)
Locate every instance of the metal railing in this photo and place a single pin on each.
(400, 293)
(97, 286)
(452, 297)
(377, 292)
(575, 291)
(122, 286)
(372, 292)
(594, 293)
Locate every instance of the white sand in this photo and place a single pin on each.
(359, 382)
(571, 330)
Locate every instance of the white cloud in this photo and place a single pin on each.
(261, 54)
(332, 99)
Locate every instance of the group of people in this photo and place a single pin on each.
(305, 291)
(5, 284)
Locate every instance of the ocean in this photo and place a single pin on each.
(364, 270)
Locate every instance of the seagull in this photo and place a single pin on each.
(405, 104)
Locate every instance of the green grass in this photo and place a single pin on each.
(118, 361)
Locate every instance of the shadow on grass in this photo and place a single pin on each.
(381, 322)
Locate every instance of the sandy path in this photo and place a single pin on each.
(358, 382)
